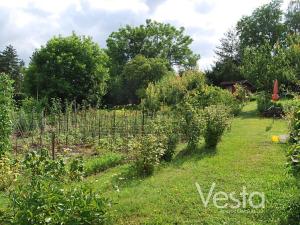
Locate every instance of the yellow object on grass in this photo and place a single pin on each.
(275, 138)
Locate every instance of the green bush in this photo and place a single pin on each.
(241, 93)
(171, 89)
(263, 102)
(217, 96)
(148, 150)
(294, 157)
(191, 123)
(100, 163)
(6, 92)
(294, 125)
(217, 120)
(167, 130)
(76, 169)
(41, 197)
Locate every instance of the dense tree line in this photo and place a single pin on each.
(261, 47)
(76, 68)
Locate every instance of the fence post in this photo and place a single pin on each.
(67, 132)
(143, 121)
(53, 145)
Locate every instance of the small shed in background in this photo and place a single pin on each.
(229, 85)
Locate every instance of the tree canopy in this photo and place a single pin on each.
(292, 17)
(11, 64)
(264, 64)
(153, 40)
(139, 72)
(263, 25)
(69, 68)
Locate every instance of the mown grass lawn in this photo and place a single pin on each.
(245, 157)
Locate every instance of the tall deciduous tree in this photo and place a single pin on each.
(12, 65)
(292, 17)
(152, 40)
(263, 26)
(72, 68)
(264, 64)
(139, 72)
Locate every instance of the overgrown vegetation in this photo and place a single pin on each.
(41, 197)
(6, 92)
(168, 135)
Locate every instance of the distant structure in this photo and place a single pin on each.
(229, 85)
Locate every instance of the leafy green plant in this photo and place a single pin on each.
(294, 157)
(294, 125)
(76, 169)
(100, 163)
(167, 131)
(190, 122)
(148, 150)
(217, 120)
(6, 91)
(241, 93)
(41, 197)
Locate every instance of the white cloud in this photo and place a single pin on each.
(221, 16)
(135, 6)
(27, 24)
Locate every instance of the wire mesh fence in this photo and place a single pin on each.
(71, 127)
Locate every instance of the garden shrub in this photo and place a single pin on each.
(291, 106)
(41, 197)
(294, 151)
(9, 171)
(100, 163)
(190, 122)
(217, 96)
(294, 157)
(268, 108)
(76, 171)
(6, 92)
(241, 93)
(294, 125)
(217, 120)
(211, 95)
(167, 130)
(148, 150)
(171, 89)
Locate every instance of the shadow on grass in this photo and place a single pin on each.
(248, 114)
(193, 154)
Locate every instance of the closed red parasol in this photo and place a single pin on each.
(275, 95)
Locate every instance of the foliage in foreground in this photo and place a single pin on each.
(294, 151)
(9, 171)
(41, 197)
(6, 91)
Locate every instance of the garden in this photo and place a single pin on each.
(136, 134)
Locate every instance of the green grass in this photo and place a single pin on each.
(245, 157)
(98, 164)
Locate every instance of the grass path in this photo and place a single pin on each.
(245, 157)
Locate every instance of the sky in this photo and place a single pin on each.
(28, 24)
